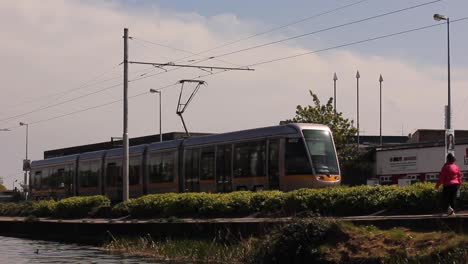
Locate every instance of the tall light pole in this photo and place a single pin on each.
(380, 81)
(357, 91)
(26, 165)
(160, 107)
(439, 17)
(335, 78)
(125, 158)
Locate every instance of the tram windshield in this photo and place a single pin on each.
(321, 151)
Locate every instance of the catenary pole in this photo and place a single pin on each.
(449, 114)
(160, 118)
(335, 78)
(380, 81)
(125, 120)
(357, 94)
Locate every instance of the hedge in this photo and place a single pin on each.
(334, 201)
(73, 207)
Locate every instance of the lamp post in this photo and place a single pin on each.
(335, 78)
(439, 17)
(26, 160)
(160, 107)
(357, 90)
(380, 81)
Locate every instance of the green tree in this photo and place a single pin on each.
(2, 188)
(342, 128)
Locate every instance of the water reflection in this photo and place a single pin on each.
(19, 250)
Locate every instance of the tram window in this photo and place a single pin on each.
(273, 158)
(55, 178)
(223, 162)
(207, 163)
(161, 167)
(44, 178)
(89, 173)
(273, 163)
(36, 179)
(192, 164)
(68, 176)
(322, 152)
(114, 174)
(134, 168)
(296, 160)
(250, 159)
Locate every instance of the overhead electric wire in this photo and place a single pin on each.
(239, 40)
(274, 29)
(47, 106)
(57, 104)
(355, 42)
(144, 76)
(299, 36)
(265, 62)
(185, 51)
(326, 29)
(82, 86)
(97, 106)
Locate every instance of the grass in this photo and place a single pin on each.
(343, 243)
(395, 245)
(183, 249)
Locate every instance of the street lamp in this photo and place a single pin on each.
(160, 106)
(439, 17)
(26, 161)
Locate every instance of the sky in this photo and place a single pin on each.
(60, 58)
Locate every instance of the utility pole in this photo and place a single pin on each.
(357, 90)
(380, 81)
(26, 162)
(335, 78)
(125, 86)
(125, 193)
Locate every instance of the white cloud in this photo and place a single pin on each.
(52, 46)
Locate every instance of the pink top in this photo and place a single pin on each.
(450, 174)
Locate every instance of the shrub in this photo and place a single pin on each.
(44, 208)
(75, 207)
(333, 201)
(297, 242)
(120, 209)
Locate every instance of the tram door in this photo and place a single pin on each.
(192, 170)
(273, 164)
(223, 168)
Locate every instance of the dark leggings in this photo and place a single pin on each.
(449, 194)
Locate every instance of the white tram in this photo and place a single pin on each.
(284, 157)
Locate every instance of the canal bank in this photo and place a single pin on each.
(361, 239)
(94, 230)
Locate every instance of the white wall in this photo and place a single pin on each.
(420, 160)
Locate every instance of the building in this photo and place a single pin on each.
(420, 161)
(435, 135)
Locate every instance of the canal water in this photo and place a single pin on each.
(20, 250)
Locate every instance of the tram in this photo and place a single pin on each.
(284, 157)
